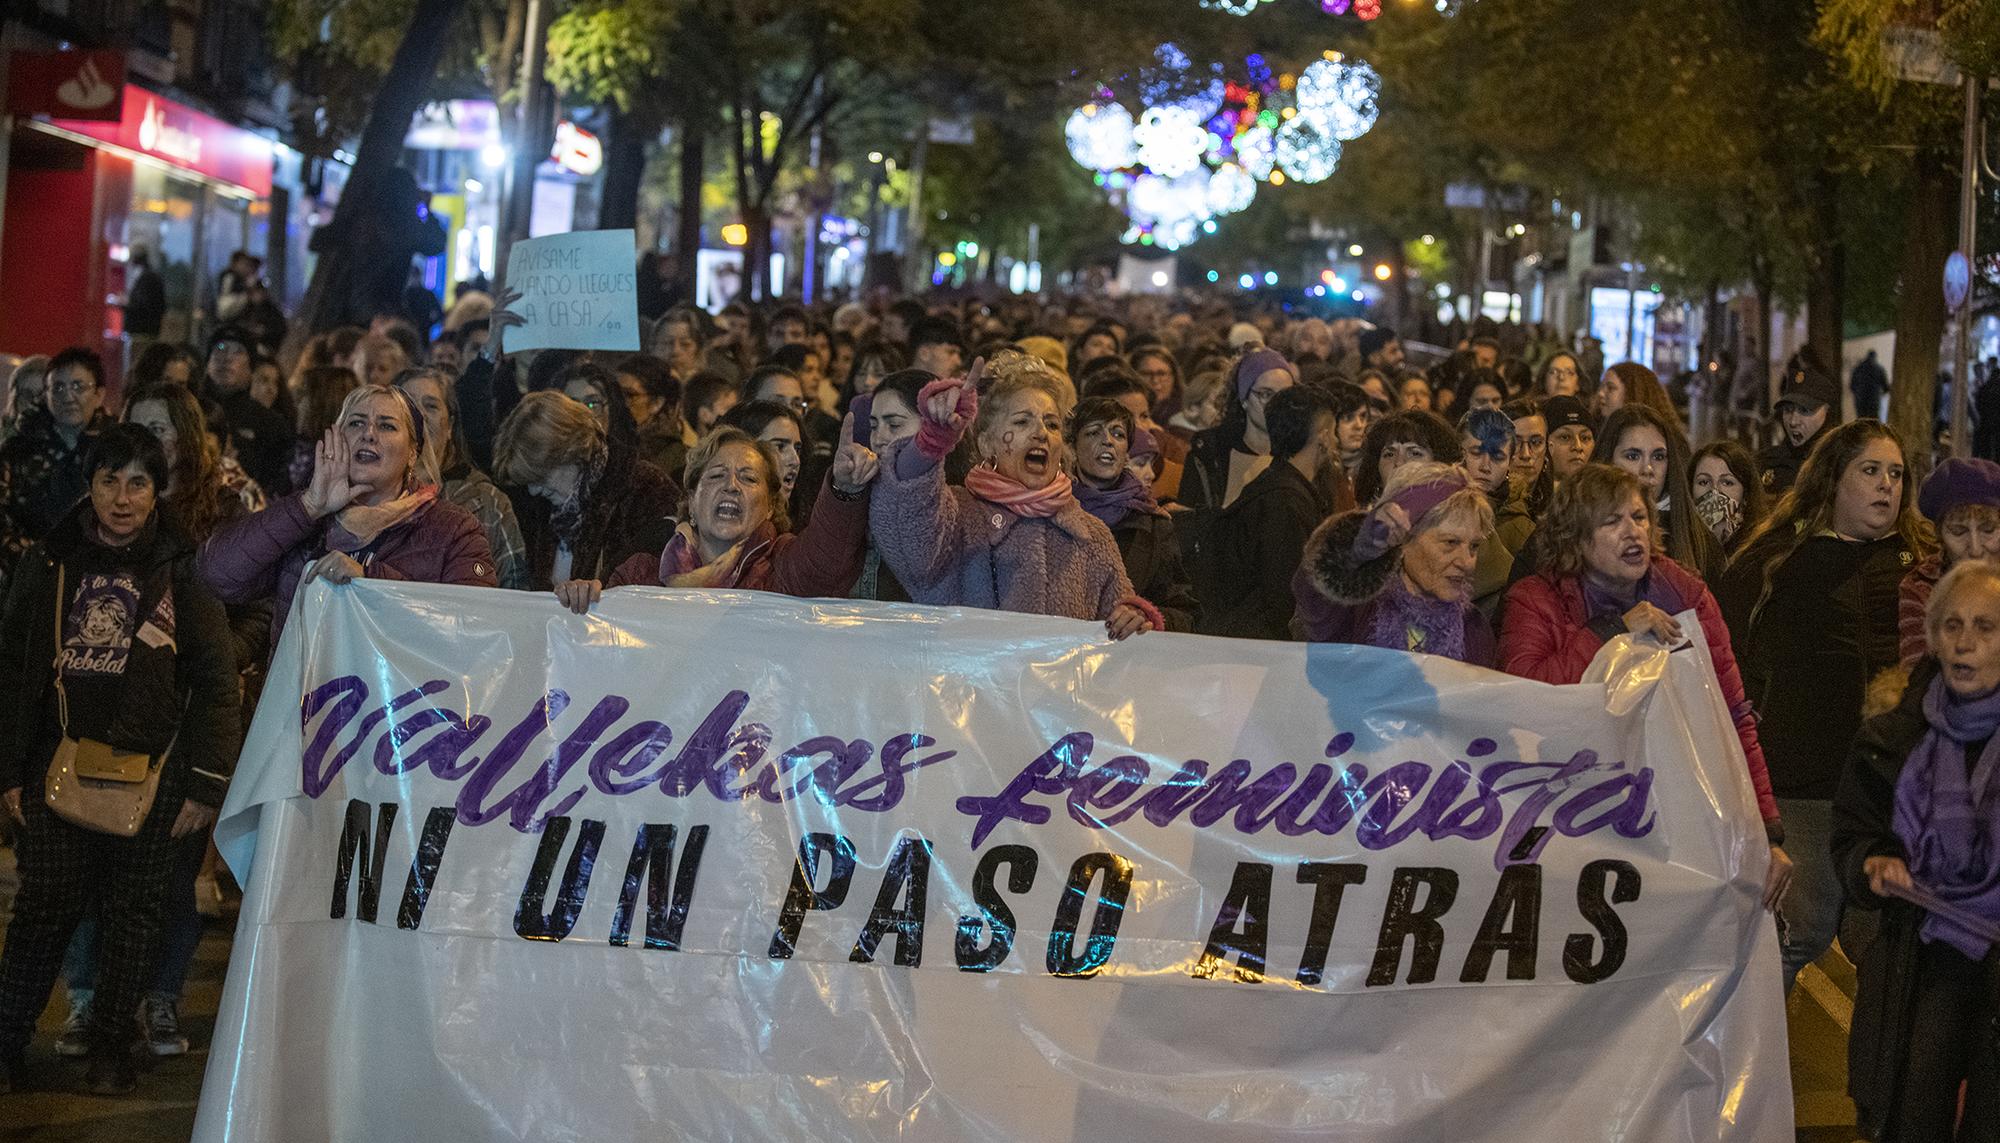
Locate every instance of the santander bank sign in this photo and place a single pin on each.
(162, 138)
(150, 124)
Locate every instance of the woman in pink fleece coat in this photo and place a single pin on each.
(1014, 538)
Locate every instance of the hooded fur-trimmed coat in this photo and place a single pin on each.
(1337, 595)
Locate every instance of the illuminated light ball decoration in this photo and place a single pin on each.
(1171, 140)
(1307, 151)
(1173, 80)
(1343, 95)
(1257, 152)
(1205, 140)
(1230, 189)
(1100, 137)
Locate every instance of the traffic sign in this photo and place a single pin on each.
(1957, 280)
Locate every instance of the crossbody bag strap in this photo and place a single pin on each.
(55, 664)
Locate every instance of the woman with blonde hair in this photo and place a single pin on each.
(371, 510)
(1014, 537)
(585, 500)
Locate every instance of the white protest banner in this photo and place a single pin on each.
(738, 866)
(578, 291)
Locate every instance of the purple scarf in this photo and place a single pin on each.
(1405, 621)
(1941, 814)
(1651, 589)
(1112, 505)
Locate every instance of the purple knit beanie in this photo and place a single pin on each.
(1255, 364)
(1418, 499)
(1957, 482)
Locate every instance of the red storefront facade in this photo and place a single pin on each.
(81, 194)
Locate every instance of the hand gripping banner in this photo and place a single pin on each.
(737, 866)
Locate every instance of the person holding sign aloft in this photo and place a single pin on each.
(1014, 537)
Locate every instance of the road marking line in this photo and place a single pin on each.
(1828, 996)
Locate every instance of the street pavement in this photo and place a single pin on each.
(48, 1110)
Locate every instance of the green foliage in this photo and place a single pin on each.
(609, 52)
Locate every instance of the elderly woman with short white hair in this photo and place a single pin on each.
(1914, 835)
(1400, 575)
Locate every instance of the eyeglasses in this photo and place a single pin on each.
(71, 388)
(799, 403)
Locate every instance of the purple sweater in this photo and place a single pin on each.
(949, 547)
(263, 555)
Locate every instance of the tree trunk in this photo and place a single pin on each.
(1929, 234)
(402, 95)
(1826, 281)
(687, 244)
(1399, 290)
(757, 254)
(624, 164)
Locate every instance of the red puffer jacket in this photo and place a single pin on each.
(1547, 634)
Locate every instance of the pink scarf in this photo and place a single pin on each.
(357, 525)
(752, 569)
(989, 485)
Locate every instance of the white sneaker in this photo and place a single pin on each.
(75, 1039)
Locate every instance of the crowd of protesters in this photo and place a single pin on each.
(1144, 466)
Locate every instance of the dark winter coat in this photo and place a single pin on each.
(1809, 645)
(41, 479)
(264, 440)
(266, 554)
(1878, 1044)
(1336, 598)
(1244, 577)
(1205, 473)
(1780, 462)
(486, 394)
(626, 513)
(180, 693)
(1153, 562)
